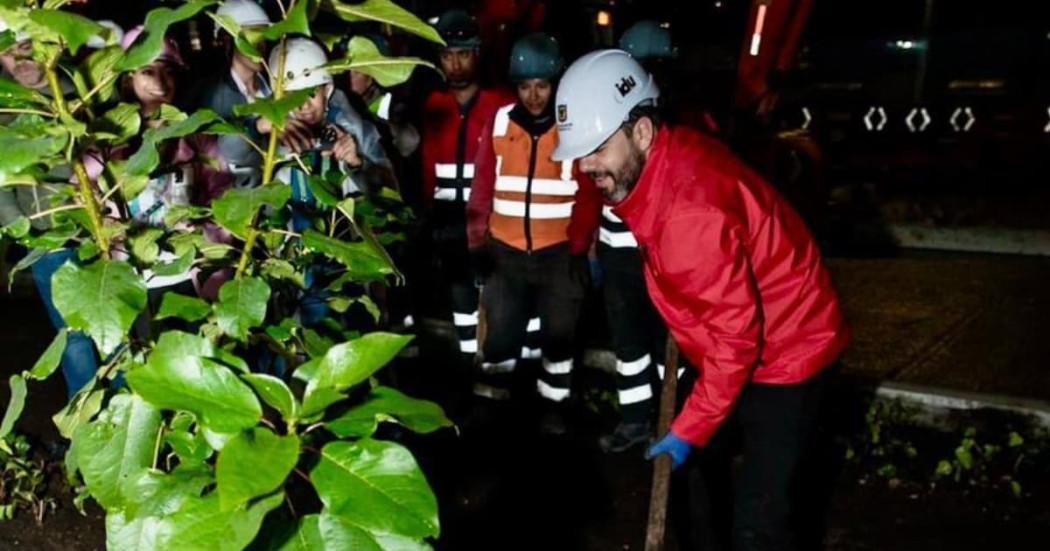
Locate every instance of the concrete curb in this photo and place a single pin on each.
(954, 400)
(978, 239)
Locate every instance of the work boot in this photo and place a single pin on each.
(626, 436)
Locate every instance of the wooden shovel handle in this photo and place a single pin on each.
(661, 488)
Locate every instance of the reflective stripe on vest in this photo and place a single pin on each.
(529, 214)
(542, 186)
(539, 211)
(447, 187)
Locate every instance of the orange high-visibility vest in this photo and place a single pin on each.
(534, 195)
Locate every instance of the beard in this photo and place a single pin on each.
(625, 178)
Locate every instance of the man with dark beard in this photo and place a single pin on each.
(452, 127)
(733, 271)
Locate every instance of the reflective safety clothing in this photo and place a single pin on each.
(735, 273)
(450, 142)
(451, 133)
(521, 197)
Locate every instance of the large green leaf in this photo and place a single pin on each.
(201, 525)
(116, 446)
(119, 124)
(346, 365)
(339, 532)
(15, 405)
(21, 151)
(351, 363)
(180, 375)
(153, 497)
(275, 109)
(102, 299)
(275, 393)
(382, 11)
(242, 306)
(387, 404)
(198, 525)
(254, 463)
(13, 94)
(74, 29)
(51, 358)
(127, 533)
(156, 493)
(100, 69)
(296, 22)
(146, 158)
(364, 57)
(236, 208)
(377, 486)
(360, 258)
(191, 309)
(157, 22)
(317, 399)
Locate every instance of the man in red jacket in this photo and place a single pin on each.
(452, 128)
(731, 268)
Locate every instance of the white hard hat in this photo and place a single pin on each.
(245, 12)
(116, 35)
(303, 65)
(594, 98)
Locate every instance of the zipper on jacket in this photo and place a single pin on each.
(461, 153)
(528, 194)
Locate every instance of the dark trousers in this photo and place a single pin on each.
(773, 427)
(637, 331)
(521, 283)
(453, 261)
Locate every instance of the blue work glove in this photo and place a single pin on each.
(672, 445)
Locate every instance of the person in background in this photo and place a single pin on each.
(530, 222)
(245, 83)
(386, 111)
(79, 359)
(453, 124)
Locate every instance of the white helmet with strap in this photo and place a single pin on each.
(245, 13)
(594, 98)
(303, 65)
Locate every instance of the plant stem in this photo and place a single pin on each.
(49, 212)
(268, 166)
(47, 114)
(156, 446)
(87, 192)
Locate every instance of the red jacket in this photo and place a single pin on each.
(735, 274)
(448, 166)
(513, 158)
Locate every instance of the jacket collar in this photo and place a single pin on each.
(636, 209)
